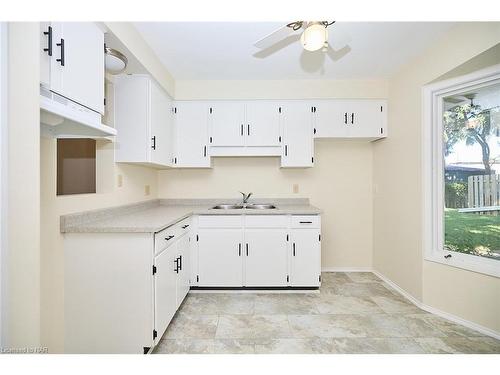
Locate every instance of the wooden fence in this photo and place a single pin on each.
(484, 191)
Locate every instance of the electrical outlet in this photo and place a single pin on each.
(147, 190)
(120, 180)
(295, 188)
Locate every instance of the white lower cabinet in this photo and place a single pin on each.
(123, 289)
(305, 263)
(258, 251)
(265, 257)
(220, 257)
(165, 288)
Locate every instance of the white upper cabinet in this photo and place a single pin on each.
(191, 135)
(297, 145)
(143, 119)
(361, 118)
(262, 123)
(72, 62)
(227, 124)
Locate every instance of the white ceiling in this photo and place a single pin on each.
(224, 50)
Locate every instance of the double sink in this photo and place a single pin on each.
(249, 206)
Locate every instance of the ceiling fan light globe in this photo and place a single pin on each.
(314, 37)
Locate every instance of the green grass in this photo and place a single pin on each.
(472, 233)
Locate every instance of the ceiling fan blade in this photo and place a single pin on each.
(263, 53)
(274, 37)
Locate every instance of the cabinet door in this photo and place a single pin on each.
(161, 126)
(184, 269)
(132, 119)
(79, 75)
(191, 133)
(227, 124)
(330, 119)
(365, 118)
(46, 52)
(265, 257)
(165, 288)
(262, 127)
(305, 257)
(297, 135)
(220, 254)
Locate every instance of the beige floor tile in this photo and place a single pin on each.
(185, 346)
(234, 346)
(337, 304)
(192, 326)
(391, 303)
(286, 304)
(253, 326)
(363, 277)
(327, 326)
(352, 313)
(295, 346)
(377, 346)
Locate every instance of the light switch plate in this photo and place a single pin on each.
(295, 188)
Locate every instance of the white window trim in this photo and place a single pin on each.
(432, 168)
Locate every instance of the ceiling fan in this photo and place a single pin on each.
(313, 36)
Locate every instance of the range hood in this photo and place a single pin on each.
(63, 118)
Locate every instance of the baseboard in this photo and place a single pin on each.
(346, 269)
(453, 318)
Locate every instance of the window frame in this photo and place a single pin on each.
(433, 171)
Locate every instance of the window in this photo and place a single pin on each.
(462, 171)
(76, 166)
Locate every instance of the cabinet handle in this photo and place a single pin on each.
(293, 246)
(239, 249)
(185, 226)
(352, 118)
(180, 262)
(305, 222)
(242, 130)
(247, 248)
(176, 269)
(345, 118)
(61, 60)
(49, 41)
(286, 150)
(248, 129)
(169, 237)
(205, 151)
(153, 139)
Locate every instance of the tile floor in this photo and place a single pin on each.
(352, 313)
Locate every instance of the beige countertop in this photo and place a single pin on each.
(155, 215)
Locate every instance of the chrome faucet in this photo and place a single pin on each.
(246, 197)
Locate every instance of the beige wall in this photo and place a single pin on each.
(23, 192)
(397, 182)
(339, 183)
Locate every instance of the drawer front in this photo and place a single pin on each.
(306, 221)
(167, 237)
(220, 221)
(266, 221)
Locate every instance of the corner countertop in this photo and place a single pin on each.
(154, 215)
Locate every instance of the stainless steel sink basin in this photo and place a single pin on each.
(227, 207)
(260, 206)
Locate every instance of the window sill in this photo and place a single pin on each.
(473, 263)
